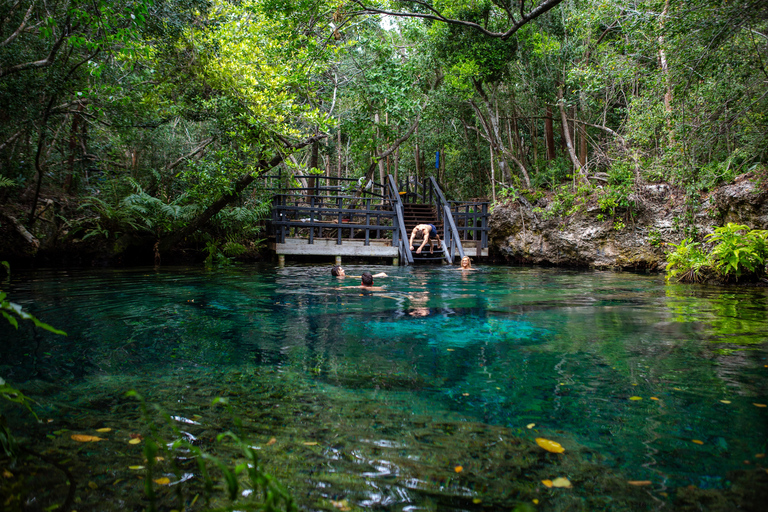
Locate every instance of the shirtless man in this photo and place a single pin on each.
(429, 232)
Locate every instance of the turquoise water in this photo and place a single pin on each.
(424, 395)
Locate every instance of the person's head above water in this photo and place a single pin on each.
(337, 271)
(367, 279)
(466, 262)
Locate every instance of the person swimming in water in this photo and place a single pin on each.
(466, 264)
(338, 271)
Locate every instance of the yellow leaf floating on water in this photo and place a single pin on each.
(697, 441)
(726, 401)
(341, 505)
(530, 425)
(561, 482)
(135, 440)
(458, 469)
(105, 429)
(550, 446)
(163, 481)
(7, 474)
(535, 501)
(639, 482)
(635, 398)
(759, 455)
(271, 441)
(477, 501)
(548, 483)
(654, 398)
(136, 467)
(93, 485)
(759, 405)
(82, 438)
(310, 443)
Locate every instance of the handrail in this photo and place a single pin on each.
(397, 204)
(447, 219)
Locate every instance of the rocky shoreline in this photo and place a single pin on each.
(530, 234)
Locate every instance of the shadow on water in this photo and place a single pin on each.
(425, 395)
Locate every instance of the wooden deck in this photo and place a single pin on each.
(332, 218)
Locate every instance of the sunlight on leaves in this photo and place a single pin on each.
(550, 446)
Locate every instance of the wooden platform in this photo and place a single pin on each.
(329, 247)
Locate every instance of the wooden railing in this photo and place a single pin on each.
(405, 250)
(472, 221)
(330, 209)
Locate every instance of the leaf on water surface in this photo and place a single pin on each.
(548, 483)
(449, 350)
(759, 405)
(561, 482)
(535, 501)
(726, 401)
(310, 443)
(697, 441)
(341, 505)
(759, 455)
(135, 440)
(458, 469)
(639, 482)
(530, 425)
(82, 438)
(477, 501)
(105, 429)
(635, 398)
(136, 467)
(271, 441)
(654, 398)
(93, 485)
(163, 480)
(550, 446)
(465, 394)
(7, 474)
(135, 436)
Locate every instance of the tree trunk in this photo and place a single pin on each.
(549, 134)
(566, 131)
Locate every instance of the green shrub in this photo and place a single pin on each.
(687, 263)
(739, 251)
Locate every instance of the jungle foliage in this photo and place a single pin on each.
(156, 121)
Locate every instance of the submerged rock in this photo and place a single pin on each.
(635, 239)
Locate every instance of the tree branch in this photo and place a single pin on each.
(436, 15)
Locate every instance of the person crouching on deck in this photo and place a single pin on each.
(429, 232)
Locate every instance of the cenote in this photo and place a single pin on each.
(426, 395)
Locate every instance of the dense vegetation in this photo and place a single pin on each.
(141, 123)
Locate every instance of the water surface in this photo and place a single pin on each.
(425, 395)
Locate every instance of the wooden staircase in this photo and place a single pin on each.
(417, 213)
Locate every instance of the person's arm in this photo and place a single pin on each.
(426, 239)
(413, 235)
(380, 274)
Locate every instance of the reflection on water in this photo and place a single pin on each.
(377, 397)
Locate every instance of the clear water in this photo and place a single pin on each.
(419, 396)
